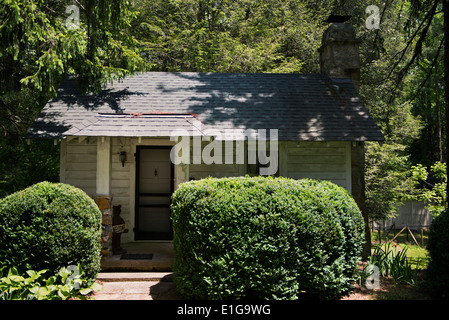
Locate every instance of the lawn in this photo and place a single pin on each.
(417, 255)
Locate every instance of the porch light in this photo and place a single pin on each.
(123, 158)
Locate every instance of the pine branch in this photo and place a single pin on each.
(429, 73)
(416, 52)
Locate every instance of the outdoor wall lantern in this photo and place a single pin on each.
(123, 158)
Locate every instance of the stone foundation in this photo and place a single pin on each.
(104, 203)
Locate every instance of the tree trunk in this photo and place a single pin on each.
(446, 82)
(440, 138)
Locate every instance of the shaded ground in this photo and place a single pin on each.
(138, 289)
(166, 290)
(393, 290)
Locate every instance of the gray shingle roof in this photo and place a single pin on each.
(138, 125)
(301, 106)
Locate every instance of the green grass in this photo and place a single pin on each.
(417, 256)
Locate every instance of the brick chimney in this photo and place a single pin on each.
(339, 53)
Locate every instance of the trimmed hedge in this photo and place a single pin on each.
(50, 226)
(265, 238)
(438, 247)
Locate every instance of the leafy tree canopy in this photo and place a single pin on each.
(43, 40)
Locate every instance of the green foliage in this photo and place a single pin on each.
(24, 164)
(425, 88)
(38, 50)
(230, 36)
(393, 263)
(38, 43)
(433, 193)
(265, 238)
(438, 248)
(402, 72)
(49, 226)
(67, 283)
(388, 178)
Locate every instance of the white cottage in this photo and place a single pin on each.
(118, 145)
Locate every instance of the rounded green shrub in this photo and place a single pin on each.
(438, 247)
(50, 226)
(265, 238)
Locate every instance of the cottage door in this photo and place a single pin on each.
(154, 187)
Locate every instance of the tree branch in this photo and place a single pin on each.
(416, 52)
(434, 63)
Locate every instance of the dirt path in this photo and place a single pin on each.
(392, 290)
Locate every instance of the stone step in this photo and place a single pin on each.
(117, 265)
(135, 276)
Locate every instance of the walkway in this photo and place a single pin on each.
(136, 286)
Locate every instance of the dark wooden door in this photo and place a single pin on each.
(154, 188)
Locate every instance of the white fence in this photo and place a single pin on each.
(411, 214)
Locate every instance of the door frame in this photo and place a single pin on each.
(145, 235)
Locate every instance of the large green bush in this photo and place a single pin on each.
(49, 226)
(438, 247)
(265, 238)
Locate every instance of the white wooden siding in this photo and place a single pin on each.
(121, 181)
(200, 171)
(104, 169)
(317, 160)
(79, 164)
